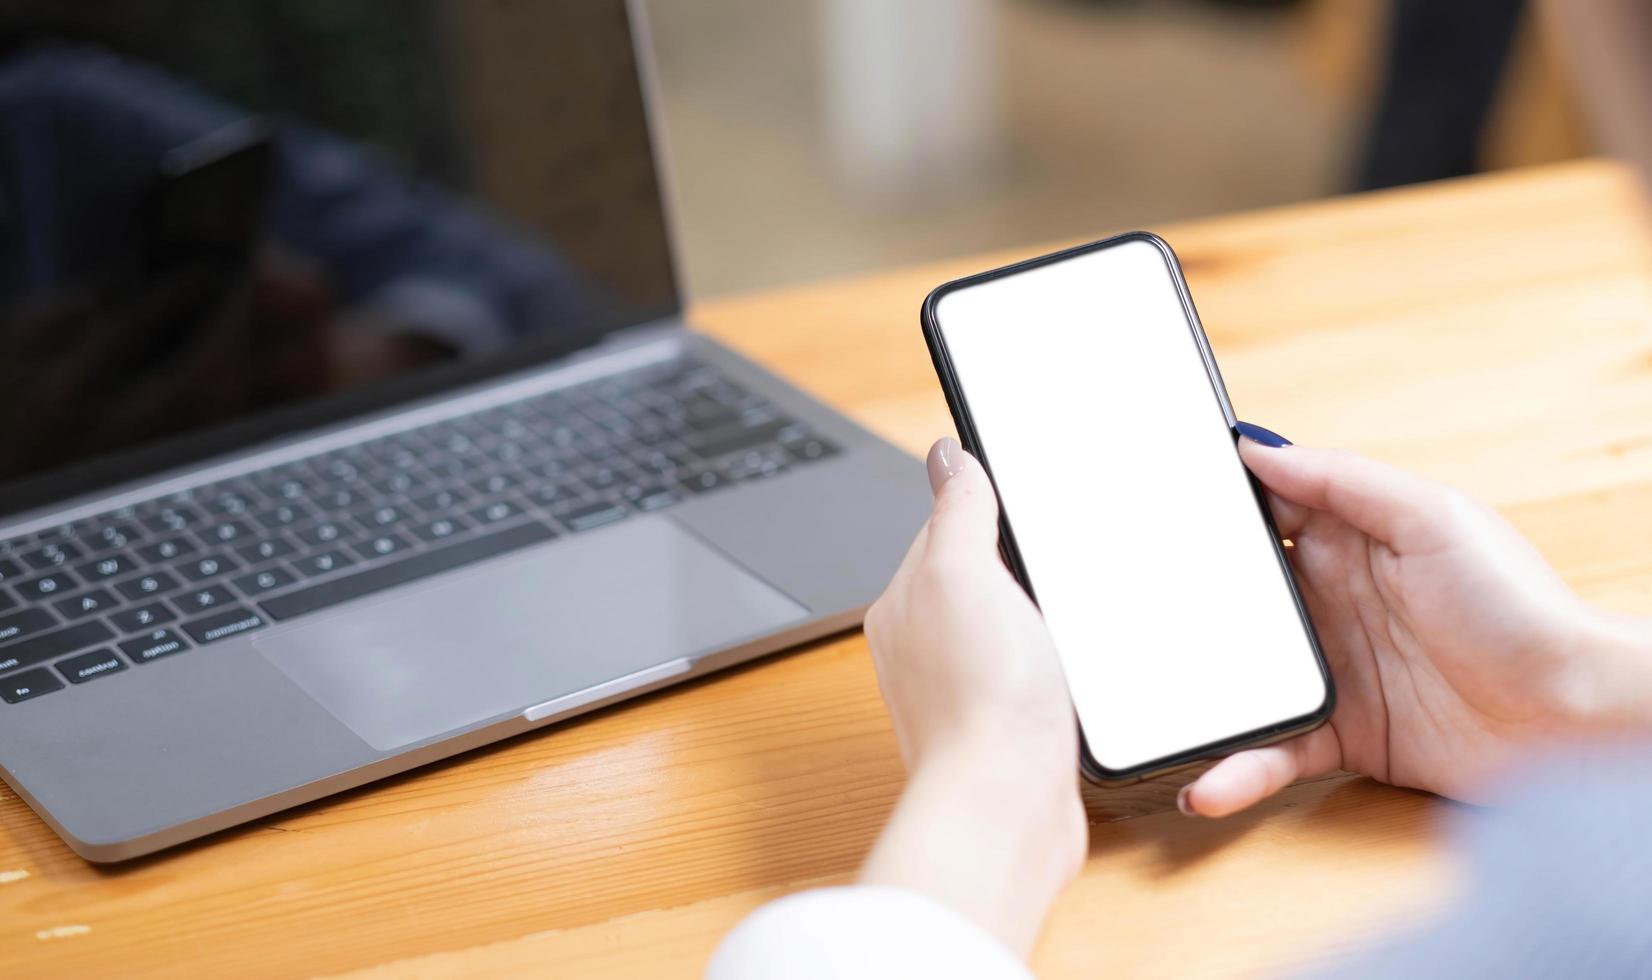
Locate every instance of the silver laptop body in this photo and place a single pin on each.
(352, 592)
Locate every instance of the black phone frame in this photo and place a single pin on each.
(967, 434)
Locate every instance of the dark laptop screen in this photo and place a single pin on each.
(211, 210)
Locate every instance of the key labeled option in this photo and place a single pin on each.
(157, 644)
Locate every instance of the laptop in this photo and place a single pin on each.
(351, 420)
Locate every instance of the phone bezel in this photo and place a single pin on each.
(959, 406)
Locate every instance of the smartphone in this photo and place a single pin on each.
(1084, 384)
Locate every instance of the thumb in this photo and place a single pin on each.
(965, 518)
(1251, 776)
(1387, 503)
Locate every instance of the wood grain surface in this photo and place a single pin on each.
(1495, 333)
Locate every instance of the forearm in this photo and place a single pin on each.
(977, 831)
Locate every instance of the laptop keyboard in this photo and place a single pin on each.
(90, 599)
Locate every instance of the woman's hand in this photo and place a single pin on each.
(1455, 649)
(991, 822)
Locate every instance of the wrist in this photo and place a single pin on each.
(1608, 689)
(988, 830)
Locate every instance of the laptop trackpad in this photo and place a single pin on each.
(490, 640)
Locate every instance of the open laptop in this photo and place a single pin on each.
(349, 421)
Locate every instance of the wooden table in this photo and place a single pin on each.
(1496, 333)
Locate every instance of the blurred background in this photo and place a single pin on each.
(819, 138)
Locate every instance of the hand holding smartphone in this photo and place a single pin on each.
(1151, 552)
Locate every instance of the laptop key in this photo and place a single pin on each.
(702, 480)
(441, 502)
(223, 625)
(230, 503)
(411, 568)
(341, 498)
(809, 449)
(10, 571)
(144, 586)
(553, 494)
(226, 532)
(46, 586)
(324, 533)
(648, 496)
(738, 436)
(154, 645)
(285, 515)
(601, 477)
(383, 516)
(265, 581)
(324, 563)
(497, 483)
(23, 624)
(91, 666)
(167, 549)
(111, 536)
(54, 555)
(441, 527)
(381, 546)
(756, 464)
(143, 617)
(85, 604)
(30, 684)
(108, 566)
(7, 601)
(593, 515)
(209, 566)
(395, 484)
(204, 600)
(494, 513)
(268, 549)
(174, 518)
(46, 646)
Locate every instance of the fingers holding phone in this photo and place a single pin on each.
(1457, 652)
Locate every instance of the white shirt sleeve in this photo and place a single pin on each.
(863, 931)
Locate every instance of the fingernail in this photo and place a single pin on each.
(946, 460)
(1184, 801)
(1267, 437)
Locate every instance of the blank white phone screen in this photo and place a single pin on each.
(1135, 521)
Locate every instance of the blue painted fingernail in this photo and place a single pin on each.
(1267, 437)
